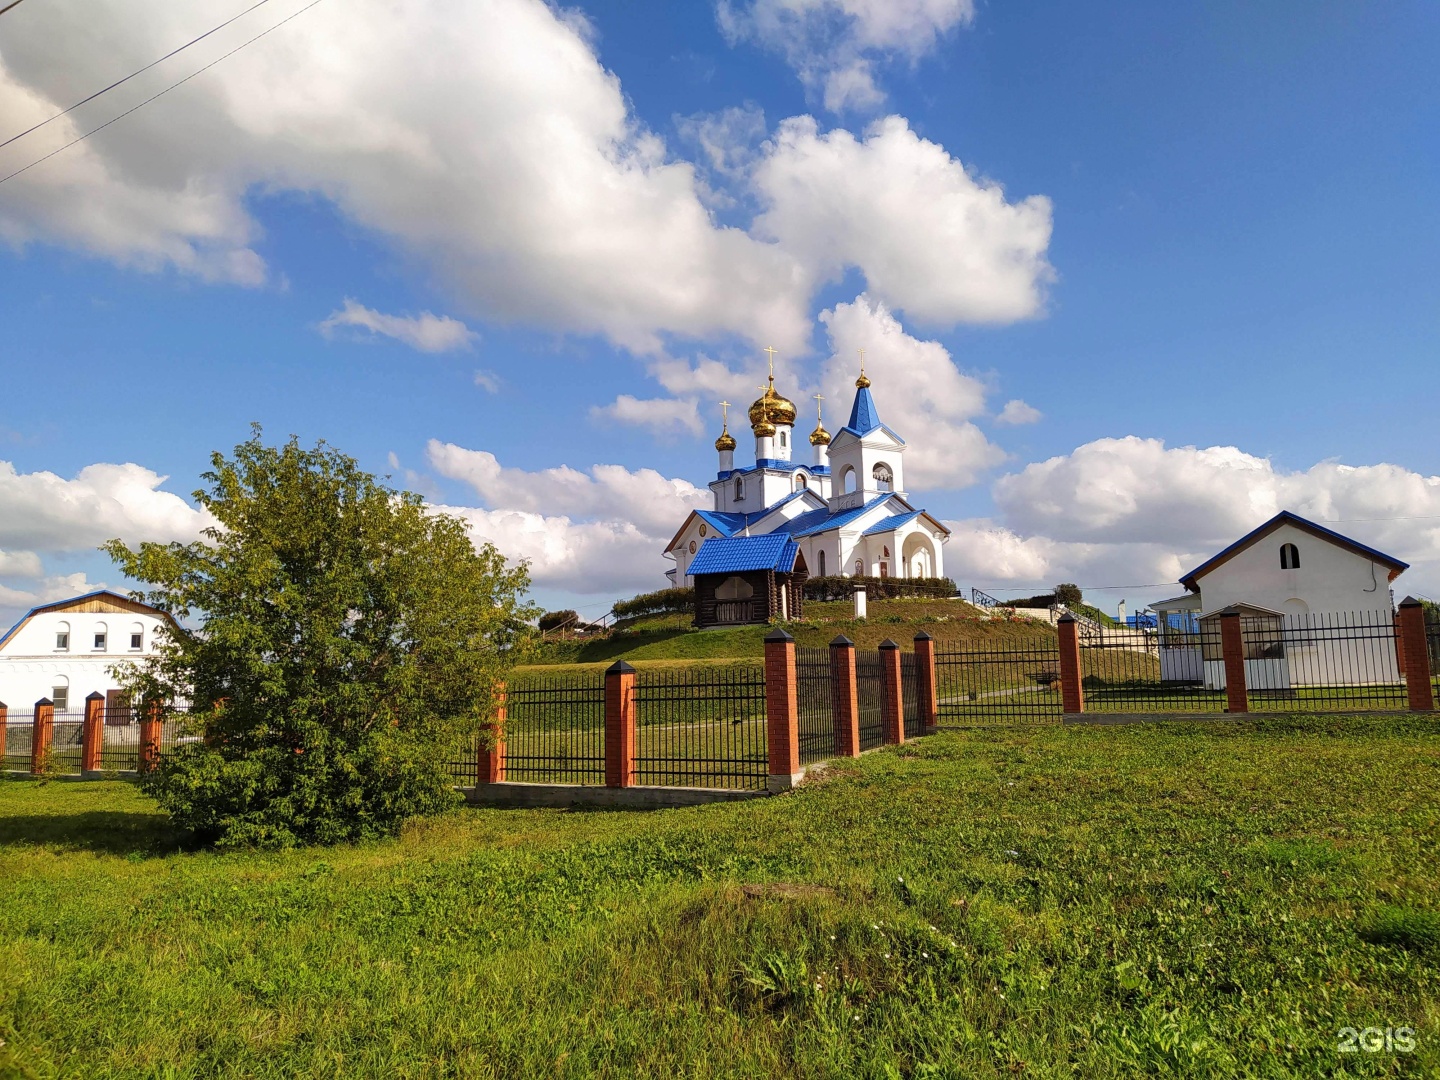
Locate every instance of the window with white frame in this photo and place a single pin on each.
(62, 637)
(60, 694)
(137, 638)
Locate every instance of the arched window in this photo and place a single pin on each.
(847, 479)
(62, 637)
(801, 481)
(884, 478)
(859, 568)
(137, 637)
(101, 637)
(782, 436)
(1289, 557)
(60, 694)
(822, 563)
(739, 489)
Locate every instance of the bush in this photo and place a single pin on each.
(1068, 594)
(350, 641)
(839, 587)
(656, 603)
(553, 620)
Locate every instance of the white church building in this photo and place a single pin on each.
(847, 508)
(64, 651)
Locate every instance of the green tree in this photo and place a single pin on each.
(1068, 593)
(554, 620)
(348, 643)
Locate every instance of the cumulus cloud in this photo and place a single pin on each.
(425, 332)
(835, 45)
(488, 381)
(931, 238)
(919, 392)
(1018, 412)
(662, 415)
(485, 140)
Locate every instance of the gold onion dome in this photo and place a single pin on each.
(863, 381)
(770, 409)
(726, 441)
(819, 437)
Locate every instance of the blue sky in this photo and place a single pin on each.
(1223, 217)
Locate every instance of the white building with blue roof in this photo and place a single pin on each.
(847, 510)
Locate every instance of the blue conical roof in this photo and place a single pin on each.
(863, 415)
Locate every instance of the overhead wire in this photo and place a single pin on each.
(162, 93)
(13, 3)
(127, 78)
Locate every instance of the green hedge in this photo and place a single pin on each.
(839, 587)
(655, 603)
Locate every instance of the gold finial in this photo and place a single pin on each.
(724, 414)
(726, 441)
(819, 437)
(770, 350)
(862, 381)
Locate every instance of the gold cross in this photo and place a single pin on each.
(862, 360)
(818, 398)
(724, 414)
(770, 350)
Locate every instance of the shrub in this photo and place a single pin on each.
(553, 620)
(840, 587)
(656, 603)
(350, 641)
(1069, 594)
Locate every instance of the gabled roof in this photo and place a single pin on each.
(101, 601)
(727, 523)
(822, 520)
(1285, 517)
(738, 554)
(865, 418)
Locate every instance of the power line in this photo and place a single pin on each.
(13, 3)
(127, 78)
(161, 94)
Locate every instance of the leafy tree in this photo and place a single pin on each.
(348, 643)
(553, 620)
(1068, 594)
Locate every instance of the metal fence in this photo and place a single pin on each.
(1141, 670)
(910, 696)
(701, 727)
(1321, 662)
(815, 692)
(1008, 682)
(119, 750)
(870, 693)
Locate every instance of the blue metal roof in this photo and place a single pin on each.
(738, 554)
(1285, 517)
(890, 524)
(818, 521)
(865, 418)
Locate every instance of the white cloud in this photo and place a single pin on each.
(1018, 412)
(20, 564)
(485, 140)
(932, 239)
(833, 45)
(488, 381)
(426, 332)
(662, 415)
(918, 390)
(45, 590)
(41, 511)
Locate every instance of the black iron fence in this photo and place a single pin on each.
(1322, 662)
(870, 694)
(555, 729)
(910, 696)
(119, 748)
(701, 727)
(1138, 670)
(815, 692)
(1007, 682)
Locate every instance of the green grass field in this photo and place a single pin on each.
(1200, 900)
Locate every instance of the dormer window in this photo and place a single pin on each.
(1289, 557)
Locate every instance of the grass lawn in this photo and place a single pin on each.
(1198, 900)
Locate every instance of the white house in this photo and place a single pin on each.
(63, 651)
(1317, 608)
(847, 509)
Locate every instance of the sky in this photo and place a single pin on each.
(1129, 278)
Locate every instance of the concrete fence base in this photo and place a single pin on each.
(635, 797)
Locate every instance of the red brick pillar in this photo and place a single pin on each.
(1400, 643)
(93, 734)
(845, 699)
(149, 736)
(892, 700)
(490, 765)
(1416, 650)
(925, 682)
(4, 722)
(1232, 650)
(1072, 679)
(620, 725)
(42, 735)
(782, 712)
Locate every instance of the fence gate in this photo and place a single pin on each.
(1008, 682)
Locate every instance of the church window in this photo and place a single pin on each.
(1289, 557)
(782, 437)
(847, 479)
(692, 547)
(739, 489)
(822, 564)
(801, 482)
(884, 478)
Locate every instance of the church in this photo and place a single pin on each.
(845, 512)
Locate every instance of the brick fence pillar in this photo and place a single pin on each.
(892, 699)
(149, 736)
(1072, 679)
(1232, 651)
(490, 763)
(782, 712)
(1416, 650)
(4, 722)
(42, 735)
(1399, 644)
(620, 725)
(925, 682)
(92, 736)
(845, 698)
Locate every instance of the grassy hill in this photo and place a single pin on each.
(1197, 901)
(672, 638)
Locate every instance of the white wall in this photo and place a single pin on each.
(1330, 579)
(863, 455)
(31, 664)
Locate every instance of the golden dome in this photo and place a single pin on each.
(819, 437)
(763, 429)
(863, 381)
(726, 441)
(770, 409)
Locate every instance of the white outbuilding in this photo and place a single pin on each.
(64, 651)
